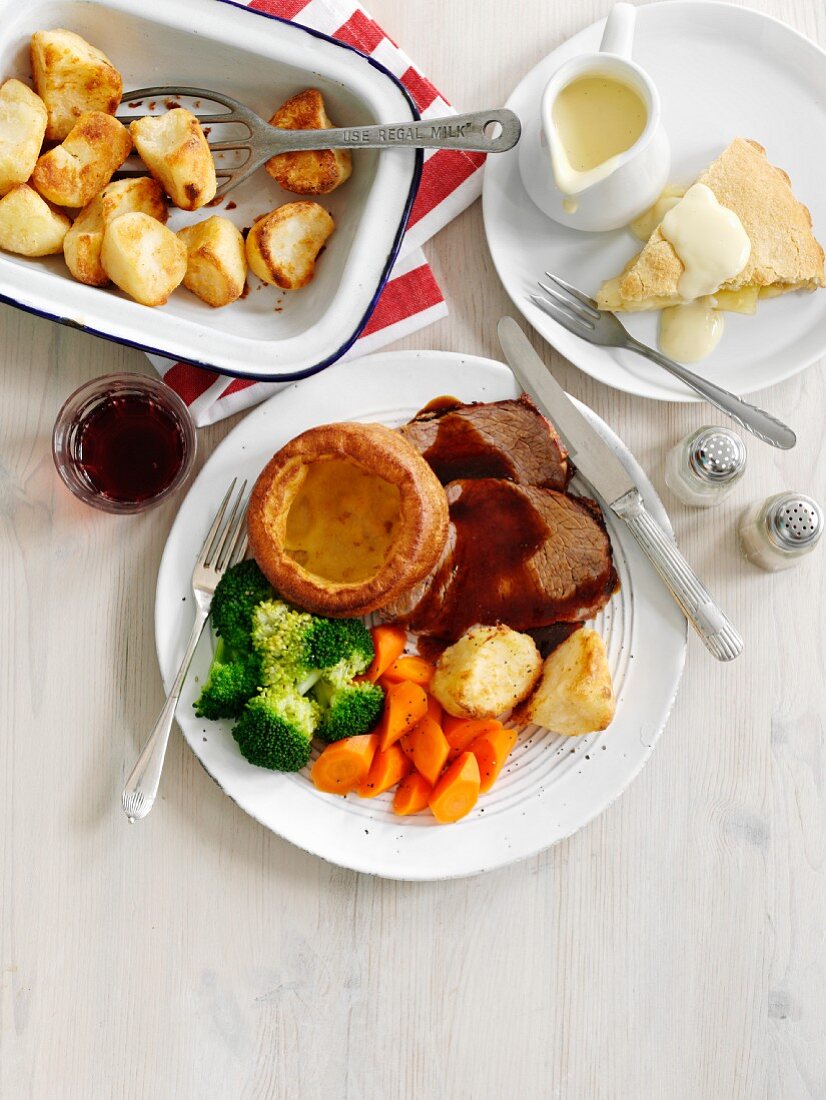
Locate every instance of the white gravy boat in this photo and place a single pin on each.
(618, 190)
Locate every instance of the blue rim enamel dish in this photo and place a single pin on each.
(270, 334)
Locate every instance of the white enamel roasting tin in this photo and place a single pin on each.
(261, 61)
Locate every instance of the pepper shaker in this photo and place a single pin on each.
(703, 468)
(775, 533)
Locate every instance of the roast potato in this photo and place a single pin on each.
(143, 257)
(72, 174)
(82, 244)
(216, 268)
(489, 670)
(282, 247)
(311, 172)
(575, 694)
(22, 126)
(28, 224)
(72, 78)
(174, 149)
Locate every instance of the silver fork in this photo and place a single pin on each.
(580, 315)
(466, 132)
(224, 546)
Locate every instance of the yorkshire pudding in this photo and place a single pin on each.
(346, 517)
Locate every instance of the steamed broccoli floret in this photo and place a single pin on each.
(346, 643)
(281, 636)
(281, 631)
(235, 673)
(233, 679)
(298, 646)
(347, 708)
(269, 656)
(276, 728)
(238, 593)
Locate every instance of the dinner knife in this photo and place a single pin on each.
(599, 465)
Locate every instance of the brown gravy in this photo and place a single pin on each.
(548, 638)
(497, 533)
(438, 406)
(460, 451)
(491, 573)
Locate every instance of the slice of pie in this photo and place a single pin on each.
(784, 253)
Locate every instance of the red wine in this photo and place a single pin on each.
(129, 447)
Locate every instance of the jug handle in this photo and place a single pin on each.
(618, 36)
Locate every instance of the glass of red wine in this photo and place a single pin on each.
(124, 442)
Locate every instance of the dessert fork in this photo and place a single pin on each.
(225, 545)
(579, 314)
(468, 132)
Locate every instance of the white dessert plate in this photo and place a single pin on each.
(551, 785)
(261, 61)
(722, 72)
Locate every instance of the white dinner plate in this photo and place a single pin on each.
(722, 72)
(551, 785)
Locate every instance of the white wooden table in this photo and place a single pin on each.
(674, 948)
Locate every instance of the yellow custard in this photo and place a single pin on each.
(709, 239)
(643, 226)
(596, 119)
(691, 331)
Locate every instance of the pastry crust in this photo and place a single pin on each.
(380, 453)
(784, 252)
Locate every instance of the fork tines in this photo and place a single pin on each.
(166, 92)
(567, 305)
(226, 540)
(236, 114)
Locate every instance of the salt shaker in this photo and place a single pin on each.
(774, 533)
(703, 468)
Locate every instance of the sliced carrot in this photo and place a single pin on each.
(430, 749)
(387, 769)
(416, 669)
(388, 644)
(449, 721)
(491, 750)
(411, 795)
(457, 791)
(345, 764)
(406, 745)
(404, 705)
(434, 710)
(462, 734)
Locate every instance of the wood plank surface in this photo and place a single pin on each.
(675, 948)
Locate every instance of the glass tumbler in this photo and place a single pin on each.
(124, 442)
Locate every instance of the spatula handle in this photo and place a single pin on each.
(467, 132)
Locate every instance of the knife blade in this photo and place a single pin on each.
(600, 466)
(591, 455)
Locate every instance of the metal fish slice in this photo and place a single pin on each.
(468, 132)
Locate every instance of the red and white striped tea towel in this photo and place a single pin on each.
(412, 298)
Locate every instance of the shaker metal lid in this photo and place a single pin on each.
(717, 455)
(794, 521)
